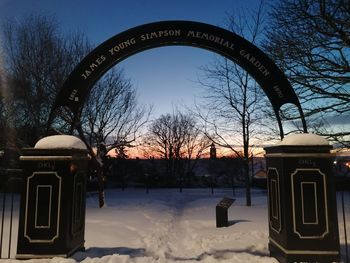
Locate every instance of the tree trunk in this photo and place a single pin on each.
(247, 181)
(96, 163)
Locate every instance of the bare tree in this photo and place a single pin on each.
(3, 105)
(195, 145)
(110, 119)
(111, 115)
(39, 58)
(233, 100)
(310, 41)
(177, 139)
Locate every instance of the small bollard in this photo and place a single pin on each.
(221, 211)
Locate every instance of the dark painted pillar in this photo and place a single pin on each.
(52, 210)
(303, 224)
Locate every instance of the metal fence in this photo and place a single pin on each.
(9, 204)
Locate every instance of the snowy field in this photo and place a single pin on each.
(168, 226)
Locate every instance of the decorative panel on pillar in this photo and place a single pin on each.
(43, 198)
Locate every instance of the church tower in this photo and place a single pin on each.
(212, 151)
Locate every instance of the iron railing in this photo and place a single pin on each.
(10, 186)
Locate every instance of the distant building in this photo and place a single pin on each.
(342, 166)
(212, 151)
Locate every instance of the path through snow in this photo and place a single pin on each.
(168, 226)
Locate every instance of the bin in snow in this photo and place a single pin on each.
(303, 224)
(52, 211)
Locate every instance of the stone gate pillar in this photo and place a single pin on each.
(52, 210)
(303, 224)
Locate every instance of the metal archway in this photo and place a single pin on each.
(182, 33)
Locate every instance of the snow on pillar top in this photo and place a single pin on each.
(60, 142)
(304, 139)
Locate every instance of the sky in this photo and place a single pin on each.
(164, 77)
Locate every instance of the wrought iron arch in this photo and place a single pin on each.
(181, 33)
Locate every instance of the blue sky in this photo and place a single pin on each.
(164, 77)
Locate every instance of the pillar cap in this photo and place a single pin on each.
(60, 142)
(306, 139)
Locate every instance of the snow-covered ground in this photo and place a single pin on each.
(168, 226)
